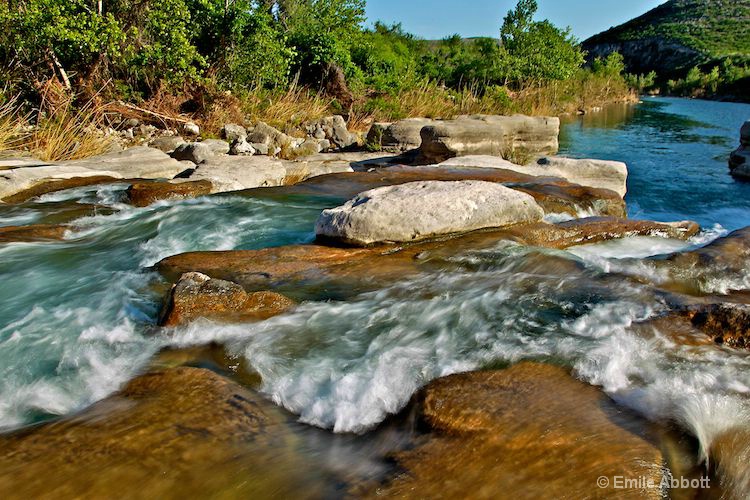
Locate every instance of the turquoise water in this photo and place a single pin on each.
(676, 151)
(77, 317)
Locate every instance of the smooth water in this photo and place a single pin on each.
(676, 151)
(77, 317)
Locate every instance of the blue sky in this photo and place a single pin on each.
(433, 19)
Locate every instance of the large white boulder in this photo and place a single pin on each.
(602, 174)
(425, 209)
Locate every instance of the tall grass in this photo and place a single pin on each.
(60, 134)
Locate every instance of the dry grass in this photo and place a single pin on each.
(288, 110)
(11, 126)
(60, 133)
(295, 176)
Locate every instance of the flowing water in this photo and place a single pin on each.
(77, 316)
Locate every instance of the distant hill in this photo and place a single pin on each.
(678, 35)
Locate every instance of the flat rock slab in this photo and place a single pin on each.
(422, 210)
(490, 135)
(235, 173)
(18, 184)
(600, 174)
(530, 429)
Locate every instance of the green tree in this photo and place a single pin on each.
(536, 51)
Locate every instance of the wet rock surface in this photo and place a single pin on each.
(196, 295)
(143, 194)
(36, 232)
(531, 428)
(719, 267)
(300, 269)
(182, 431)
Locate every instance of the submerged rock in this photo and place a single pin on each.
(36, 232)
(199, 296)
(19, 184)
(423, 210)
(719, 267)
(293, 268)
(489, 135)
(533, 428)
(178, 432)
(143, 194)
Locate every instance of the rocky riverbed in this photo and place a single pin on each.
(427, 320)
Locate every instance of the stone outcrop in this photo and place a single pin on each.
(531, 425)
(489, 135)
(403, 135)
(599, 174)
(182, 431)
(423, 210)
(739, 160)
(143, 194)
(196, 295)
(18, 184)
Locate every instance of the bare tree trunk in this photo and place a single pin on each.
(61, 70)
(100, 7)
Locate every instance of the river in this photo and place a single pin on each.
(77, 317)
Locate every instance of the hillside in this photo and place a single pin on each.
(678, 35)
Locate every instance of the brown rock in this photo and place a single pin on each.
(532, 430)
(725, 323)
(143, 194)
(50, 186)
(37, 232)
(179, 432)
(198, 296)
